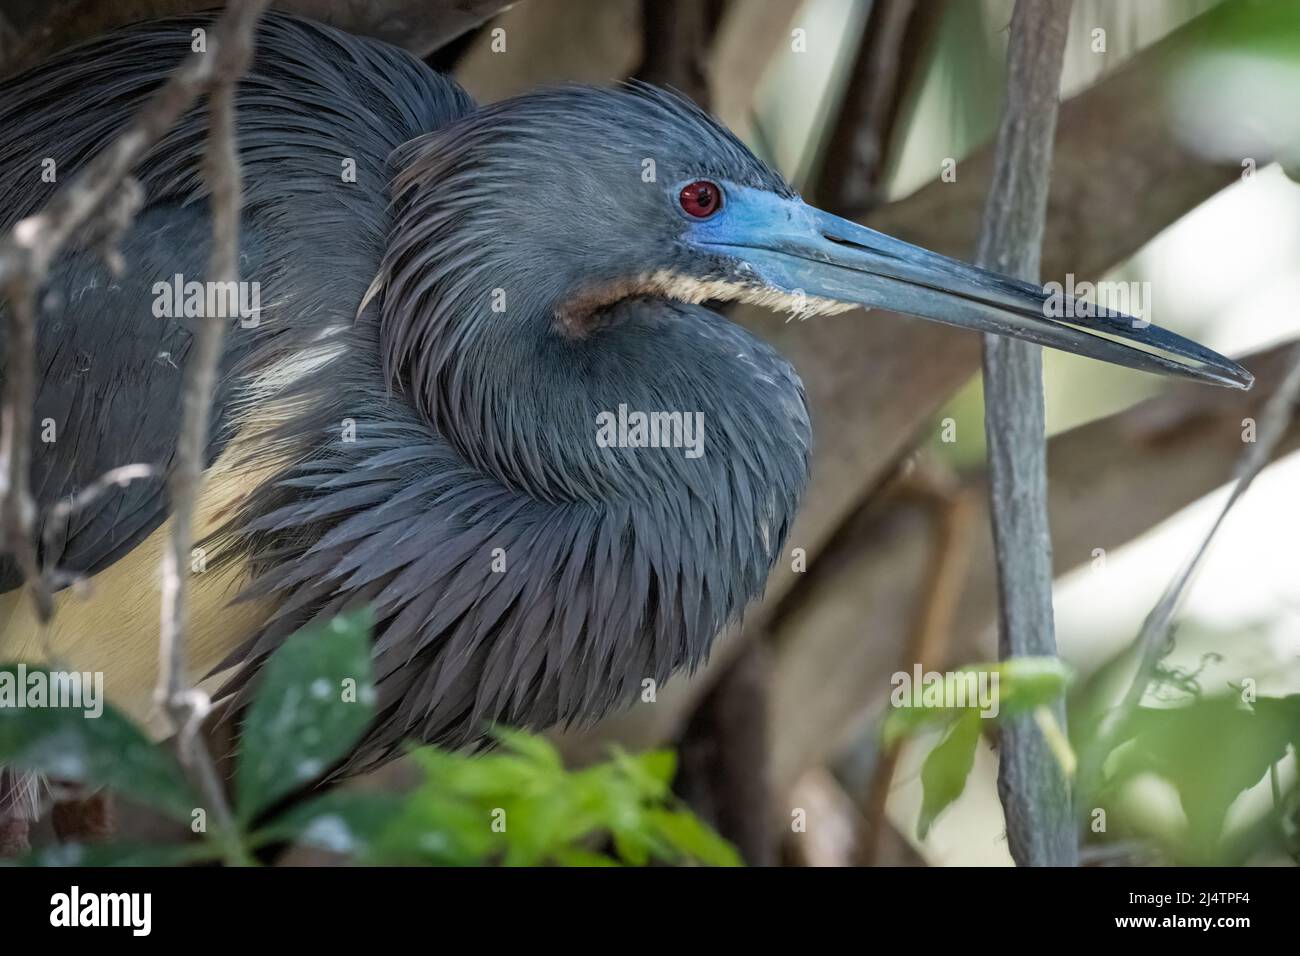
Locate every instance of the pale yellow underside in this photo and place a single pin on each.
(114, 627)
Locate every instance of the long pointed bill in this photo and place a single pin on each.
(790, 246)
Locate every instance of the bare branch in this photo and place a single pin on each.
(1034, 791)
(1272, 426)
(851, 173)
(676, 35)
(99, 202)
(26, 255)
(17, 509)
(58, 516)
(723, 756)
(186, 707)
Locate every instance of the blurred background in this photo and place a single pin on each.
(1177, 130)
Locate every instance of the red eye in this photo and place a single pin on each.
(701, 199)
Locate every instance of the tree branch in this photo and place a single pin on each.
(675, 40)
(953, 512)
(57, 518)
(1035, 793)
(851, 175)
(185, 707)
(26, 255)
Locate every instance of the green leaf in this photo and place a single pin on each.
(551, 815)
(313, 702)
(1015, 686)
(1210, 750)
(105, 750)
(440, 830)
(491, 776)
(537, 750)
(944, 773)
(659, 765)
(632, 844)
(1282, 714)
(651, 772)
(1027, 683)
(347, 822)
(686, 833)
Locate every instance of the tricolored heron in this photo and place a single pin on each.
(450, 299)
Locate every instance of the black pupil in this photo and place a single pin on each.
(704, 197)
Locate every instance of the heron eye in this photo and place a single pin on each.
(701, 199)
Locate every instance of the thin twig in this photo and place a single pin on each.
(17, 509)
(185, 707)
(1034, 792)
(63, 512)
(26, 255)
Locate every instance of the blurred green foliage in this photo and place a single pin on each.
(1209, 743)
(1208, 749)
(1260, 27)
(1232, 92)
(1023, 685)
(517, 805)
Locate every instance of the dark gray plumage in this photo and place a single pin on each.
(492, 281)
(475, 430)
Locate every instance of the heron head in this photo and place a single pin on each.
(562, 203)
